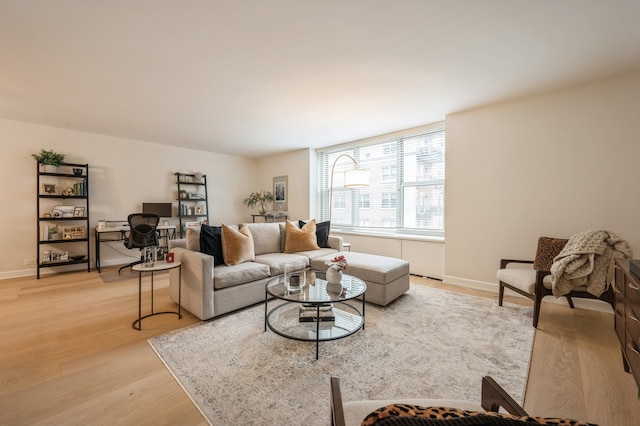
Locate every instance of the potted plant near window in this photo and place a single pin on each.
(260, 198)
(50, 160)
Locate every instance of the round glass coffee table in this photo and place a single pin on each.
(314, 311)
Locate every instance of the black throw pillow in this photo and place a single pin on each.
(211, 243)
(322, 233)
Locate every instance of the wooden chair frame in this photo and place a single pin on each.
(543, 268)
(493, 397)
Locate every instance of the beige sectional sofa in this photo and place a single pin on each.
(209, 291)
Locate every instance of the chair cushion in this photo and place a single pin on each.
(523, 279)
(356, 411)
(548, 249)
(410, 414)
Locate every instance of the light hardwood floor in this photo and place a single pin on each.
(68, 355)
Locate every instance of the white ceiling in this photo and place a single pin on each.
(255, 77)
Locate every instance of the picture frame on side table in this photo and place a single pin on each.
(280, 193)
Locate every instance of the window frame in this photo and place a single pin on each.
(388, 153)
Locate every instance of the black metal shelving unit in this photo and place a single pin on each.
(192, 199)
(50, 252)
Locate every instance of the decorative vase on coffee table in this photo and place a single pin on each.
(334, 275)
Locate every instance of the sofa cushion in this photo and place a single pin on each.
(266, 237)
(277, 262)
(322, 232)
(368, 267)
(300, 239)
(211, 243)
(229, 276)
(314, 254)
(237, 246)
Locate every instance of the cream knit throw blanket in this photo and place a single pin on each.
(588, 260)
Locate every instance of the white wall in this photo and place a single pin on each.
(123, 174)
(425, 255)
(300, 168)
(552, 165)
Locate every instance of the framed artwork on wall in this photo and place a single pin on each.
(280, 195)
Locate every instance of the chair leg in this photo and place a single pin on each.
(501, 294)
(537, 302)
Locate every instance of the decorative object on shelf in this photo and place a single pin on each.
(336, 266)
(49, 158)
(68, 192)
(77, 171)
(260, 198)
(198, 177)
(48, 188)
(78, 211)
(183, 194)
(54, 232)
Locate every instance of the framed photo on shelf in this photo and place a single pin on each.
(281, 198)
(74, 232)
(78, 212)
(48, 188)
(199, 209)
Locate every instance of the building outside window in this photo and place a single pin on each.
(406, 185)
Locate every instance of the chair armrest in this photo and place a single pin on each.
(505, 262)
(337, 411)
(494, 397)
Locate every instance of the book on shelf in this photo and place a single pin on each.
(311, 313)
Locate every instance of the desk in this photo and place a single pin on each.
(157, 266)
(168, 230)
(269, 217)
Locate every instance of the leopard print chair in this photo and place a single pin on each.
(437, 411)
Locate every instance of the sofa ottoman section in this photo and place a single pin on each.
(387, 278)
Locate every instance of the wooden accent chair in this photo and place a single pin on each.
(532, 278)
(493, 398)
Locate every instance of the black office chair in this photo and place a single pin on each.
(143, 233)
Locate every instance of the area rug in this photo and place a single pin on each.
(429, 343)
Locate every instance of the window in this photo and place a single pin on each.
(388, 200)
(406, 185)
(364, 201)
(389, 173)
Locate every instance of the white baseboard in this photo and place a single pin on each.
(596, 305)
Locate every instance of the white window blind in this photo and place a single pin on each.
(406, 185)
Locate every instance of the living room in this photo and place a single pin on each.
(551, 161)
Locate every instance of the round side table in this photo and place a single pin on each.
(157, 266)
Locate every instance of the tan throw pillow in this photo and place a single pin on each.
(297, 239)
(237, 246)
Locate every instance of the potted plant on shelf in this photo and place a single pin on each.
(256, 198)
(49, 159)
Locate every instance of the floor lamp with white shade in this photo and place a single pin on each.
(352, 179)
